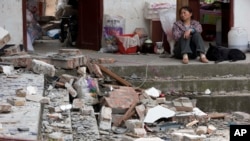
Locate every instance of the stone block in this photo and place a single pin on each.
(16, 101)
(131, 124)
(5, 107)
(105, 118)
(41, 67)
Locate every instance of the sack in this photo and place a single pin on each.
(113, 26)
(167, 18)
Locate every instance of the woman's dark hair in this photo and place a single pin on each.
(186, 8)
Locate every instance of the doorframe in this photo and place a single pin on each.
(24, 6)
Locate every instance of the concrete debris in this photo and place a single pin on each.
(16, 101)
(158, 112)
(153, 92)
(41, 67)
(83, 106)
(8, 70)
(21, 92)
(4, 37)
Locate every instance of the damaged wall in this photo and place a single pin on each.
(12, 19)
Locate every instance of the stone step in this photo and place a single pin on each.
(196, 84)
(177, 70)
(234, 101)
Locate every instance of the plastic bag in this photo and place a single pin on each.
(167, 18)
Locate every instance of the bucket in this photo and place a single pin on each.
(238, 38)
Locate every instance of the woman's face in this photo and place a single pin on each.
(185, 15)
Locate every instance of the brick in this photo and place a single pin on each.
(82, 71)
(70, 62)
(70, 89)
(106, 60)
(188, 137)
(78, 103)
(87, 111)
(13, 50)
(21, 92)
(141, 110)
(211, 129)
(18, 60)
(105, 118)
(38, 98)
(41, 67)
(121, 99)
(5, 107)
(133, 123)
(66, 78)
(69, 52)
(161, 100)
(16, 101)
(183, 104)
(141, 132)
(201, 130)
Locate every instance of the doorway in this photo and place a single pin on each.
(88, 27)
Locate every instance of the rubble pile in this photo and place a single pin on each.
(97, 104)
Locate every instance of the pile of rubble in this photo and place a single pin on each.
(97, 104)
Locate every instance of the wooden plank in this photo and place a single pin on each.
(114, 76)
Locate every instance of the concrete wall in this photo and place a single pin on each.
(241, 17)
(12, 19)
(131, 10)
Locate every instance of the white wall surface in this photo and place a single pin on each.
(131, 10)
(241, 15)
(12, 20)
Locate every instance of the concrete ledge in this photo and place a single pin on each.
(240, 84)
(200, 70)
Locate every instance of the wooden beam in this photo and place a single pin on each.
(114, 76)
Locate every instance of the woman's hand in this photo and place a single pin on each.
(187, 34)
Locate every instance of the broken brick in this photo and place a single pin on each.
(21, 92)
(183, 104)
(18, 60)
(121, 99)
(16, 101)
(105, 118)
(43, 68)
(5, 108)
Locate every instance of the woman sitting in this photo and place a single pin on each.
(187, 33)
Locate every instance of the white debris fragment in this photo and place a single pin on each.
(158, 112)
(207, 91)
(153, 92)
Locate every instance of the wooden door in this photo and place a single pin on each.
(90, 17)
